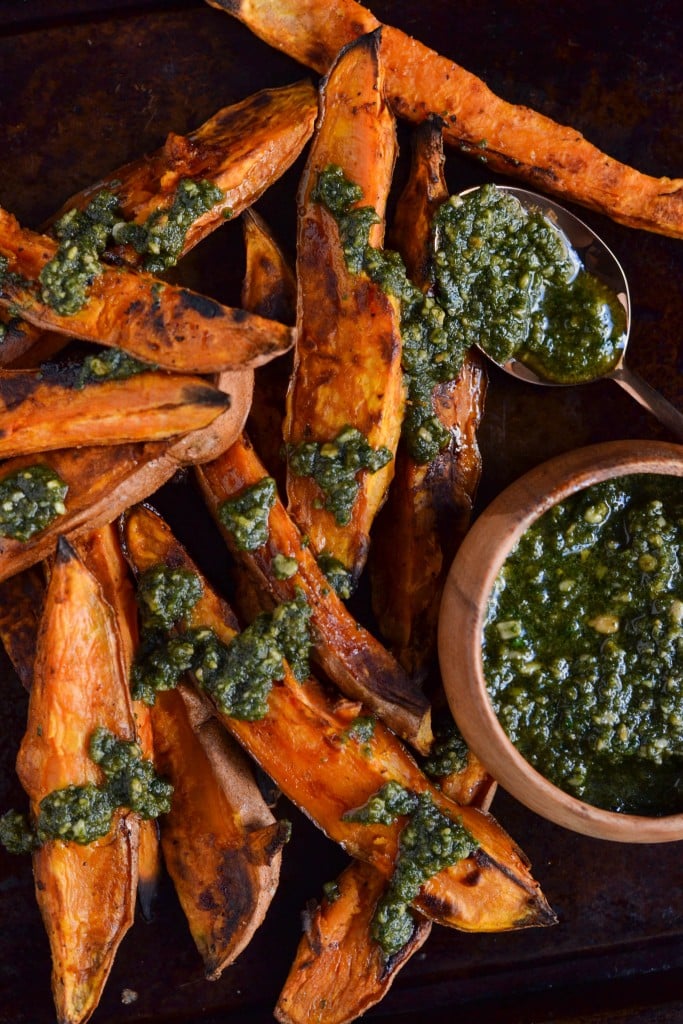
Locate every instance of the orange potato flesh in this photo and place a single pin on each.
(85, 893)
(101, 552)
(339, 972)
(37, 413)
(514, 140)
(303, 744)
(347, 362)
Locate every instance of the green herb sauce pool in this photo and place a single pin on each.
(583, 645)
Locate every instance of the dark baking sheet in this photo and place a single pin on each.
(86, 85)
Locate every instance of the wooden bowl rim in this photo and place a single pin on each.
(461, 616)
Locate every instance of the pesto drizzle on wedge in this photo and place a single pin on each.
(430, 841)
(238, 675)
(30, 500)
(83, 813)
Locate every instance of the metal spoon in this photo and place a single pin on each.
(599, 260)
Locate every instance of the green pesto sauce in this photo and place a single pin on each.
(83, 813)
(109, 364)
(30, 500)
(284, 567)
(162, 236)
(583, 645)
(336, 573)
(239, 675)
(501, 278)
(334, 465)
(166, 596)
(429, 842)
(449, 752)
(83, 236)
(513, 285)
(246, 516)
(362, 729)
(432, 351)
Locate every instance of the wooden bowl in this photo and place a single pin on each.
(463, 611)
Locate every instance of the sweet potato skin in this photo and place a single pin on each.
(21, 607)
(85, 894)
(347, 363)
(490, 890)
(514, 140)
(222, 846)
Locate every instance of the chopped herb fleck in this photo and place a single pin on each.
(246, 516)
(30, 500)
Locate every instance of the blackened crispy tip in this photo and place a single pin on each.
(198, 394)
(65, 553)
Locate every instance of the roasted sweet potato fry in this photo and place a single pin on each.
(512, 139)
(103, 481)
(159, 323)
(429, 505)
(347, 367)
(222, 846)
(243, 149)
(269, 289)
(347, 652)
(339, 972)
(306, 744)
(40, 413)
(85, 893)
(101, 553)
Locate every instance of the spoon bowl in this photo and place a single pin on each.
(599, 260)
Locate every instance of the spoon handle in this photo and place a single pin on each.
(650, 399)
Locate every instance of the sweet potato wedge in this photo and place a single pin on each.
(347, 366)
(339, 972)
(101, 553)
(347, 652)
(242, 149)
(85, 893)
(40, 413)
(514, 140)
(269, 289)
(304, 744)
(103, 481)
(429, 505)
(222, 846)
(159, 323)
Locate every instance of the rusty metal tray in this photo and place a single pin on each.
(86, 85)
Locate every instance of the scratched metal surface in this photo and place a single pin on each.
(86, 85)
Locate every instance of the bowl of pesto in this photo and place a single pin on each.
(561, 640)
